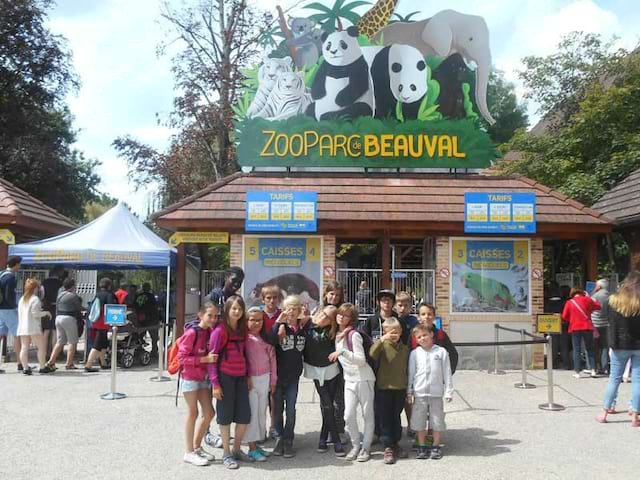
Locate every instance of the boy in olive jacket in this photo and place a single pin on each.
(391, 385)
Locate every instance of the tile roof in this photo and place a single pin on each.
(412, 197)
(622, 202)
(19, 208)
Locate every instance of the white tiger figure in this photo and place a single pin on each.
(267, 75)
(288, 98)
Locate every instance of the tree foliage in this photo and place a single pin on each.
(216, 40)
(598, 145)
(559, 81)
(509, 115)
(36, 134)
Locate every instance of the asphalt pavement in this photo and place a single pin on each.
(57, 427)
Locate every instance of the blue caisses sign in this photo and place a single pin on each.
(281, 212)
(115, 315)
(499, 212)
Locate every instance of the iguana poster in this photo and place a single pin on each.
(490, 276)
(336, 88)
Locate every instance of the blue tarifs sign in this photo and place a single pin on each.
(499, 212)
(115, 315)
(281, 212)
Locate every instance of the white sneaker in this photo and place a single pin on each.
(593, 374)
(353, 454)
(576, 375)
(194, 459)
(364, 455)
(204, 454)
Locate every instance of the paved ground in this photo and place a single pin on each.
(57, 427)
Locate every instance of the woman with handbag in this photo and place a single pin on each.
(68, 310)
(577, 312)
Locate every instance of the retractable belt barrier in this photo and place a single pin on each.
(523, 384)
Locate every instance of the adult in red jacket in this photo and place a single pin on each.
(577, 312)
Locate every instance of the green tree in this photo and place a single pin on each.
(559, 81)
(404, 19)
(217, 40)
(95, 208)
(597, 146)
(509, 115)
(36, 133)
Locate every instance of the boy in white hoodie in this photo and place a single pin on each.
(428, 383)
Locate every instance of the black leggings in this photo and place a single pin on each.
(328, 394)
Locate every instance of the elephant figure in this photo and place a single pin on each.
(446, 33)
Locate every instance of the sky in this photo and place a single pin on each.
(126, 87)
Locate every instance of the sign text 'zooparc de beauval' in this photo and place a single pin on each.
(373, 94)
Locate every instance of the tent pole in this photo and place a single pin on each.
(161, 336)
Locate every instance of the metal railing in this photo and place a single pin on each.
(210, 280)
(420, 283)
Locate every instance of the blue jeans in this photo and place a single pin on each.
(576, 338)
(286, 397)
(618, 362)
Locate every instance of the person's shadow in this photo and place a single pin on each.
(476, 442)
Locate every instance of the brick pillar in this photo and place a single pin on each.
(537, 297)
(181, 289)
(235, 250)
(329, 273)
(442, 284)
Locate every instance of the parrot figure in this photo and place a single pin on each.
(488, 290)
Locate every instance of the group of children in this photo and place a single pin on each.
(251, 363)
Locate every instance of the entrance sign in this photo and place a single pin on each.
(115, 315)
(549, 323)
(198, 237)
(281, 211)
(398, 98)
(7, 236)
(499, 212)
(490, 276)
(293, 264)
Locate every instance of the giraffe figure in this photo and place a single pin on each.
(376, 18)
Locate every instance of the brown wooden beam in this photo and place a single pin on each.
(386, 260)
(4, 255)
(590, 248)
(181, 289)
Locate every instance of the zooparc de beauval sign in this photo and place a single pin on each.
(370, 95)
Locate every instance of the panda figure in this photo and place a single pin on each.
(399, 75)
(342, 85)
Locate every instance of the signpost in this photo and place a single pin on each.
(114, 315)
(7, 236)
(281, 211)
(198, 237)
(549, 323)
(499, 213)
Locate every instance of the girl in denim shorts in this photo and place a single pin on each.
(194, 357)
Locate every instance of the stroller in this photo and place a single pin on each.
(131, 343)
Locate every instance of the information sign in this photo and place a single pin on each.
(115, 315)
(499, 212)
(281, 211)
(549, 323)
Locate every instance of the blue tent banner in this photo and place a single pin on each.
(117, 240)
(281, 211)
(499, 212)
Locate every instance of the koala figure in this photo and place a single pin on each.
(307, 40)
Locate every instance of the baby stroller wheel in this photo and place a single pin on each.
(145, 357)
(127, 360)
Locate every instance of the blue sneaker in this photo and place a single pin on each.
(263, 452)
(257, 456)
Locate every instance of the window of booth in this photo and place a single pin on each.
(490, 276)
